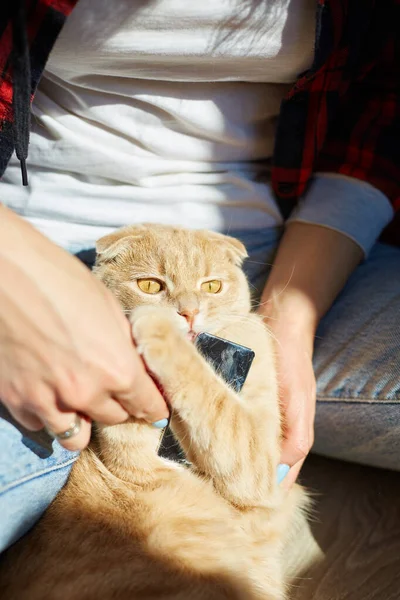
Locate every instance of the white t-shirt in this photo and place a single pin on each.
(161, 110)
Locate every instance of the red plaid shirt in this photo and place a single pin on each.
(342, 116)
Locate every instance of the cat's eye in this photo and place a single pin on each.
(212, 287)
(149, 286)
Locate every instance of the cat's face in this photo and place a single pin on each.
(197, 273)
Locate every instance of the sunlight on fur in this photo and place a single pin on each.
(130, 525)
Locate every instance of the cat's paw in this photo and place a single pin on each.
(159, 334)
(156, 321)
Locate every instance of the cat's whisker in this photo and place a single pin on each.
(275, 296)
(244, 319)
(256, 262)
(251, 285)
(240, 318)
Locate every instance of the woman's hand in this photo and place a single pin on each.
(296, 381)
(312, 265)
(65, 344)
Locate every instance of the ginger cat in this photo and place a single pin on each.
(130, 525)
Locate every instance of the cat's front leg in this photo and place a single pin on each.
(232, 441)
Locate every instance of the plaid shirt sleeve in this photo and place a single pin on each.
(344, 115)
(347, 205)
(45, 19)
(364, 138)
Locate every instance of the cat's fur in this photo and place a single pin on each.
(129, 525)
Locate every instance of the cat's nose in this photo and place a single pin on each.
(189, 315)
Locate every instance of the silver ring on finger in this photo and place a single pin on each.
(72, 431)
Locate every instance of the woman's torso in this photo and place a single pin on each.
(163, 111)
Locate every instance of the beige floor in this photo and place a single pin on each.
(357, 529)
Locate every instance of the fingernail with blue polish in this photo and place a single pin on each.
(281, 472)
(161, 424)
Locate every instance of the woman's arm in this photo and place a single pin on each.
(312, 266)
(65, 344)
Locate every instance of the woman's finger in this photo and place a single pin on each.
(102, 409)
(61, 423)
(57, 420)
(297, 439)
(84, 390)
(107, 411)
(296, 432)
(292, 475)
(295, 449)
(145, 401)
(140, 397)
(135, 395)
(25, 418)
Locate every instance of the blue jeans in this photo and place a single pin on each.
(357, 365)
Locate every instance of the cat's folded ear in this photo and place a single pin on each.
(114, 244)
(235, 249)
